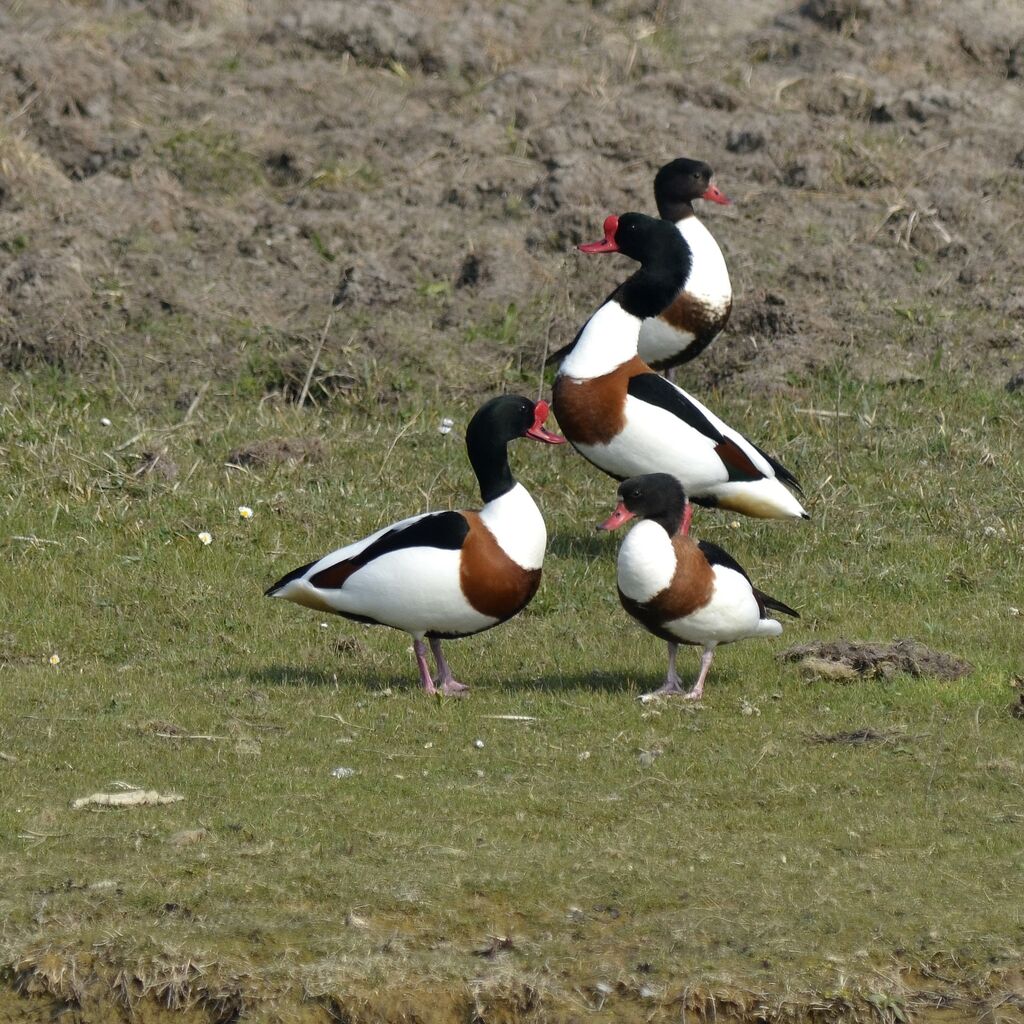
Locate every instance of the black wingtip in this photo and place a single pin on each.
(805, 515)
(557, 357)
(295, 574)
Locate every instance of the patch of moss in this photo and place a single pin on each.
(209, 159)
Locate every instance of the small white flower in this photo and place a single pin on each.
(104, 422)
(245, 512)
(205, 538)
(54, 660)
(446, 426)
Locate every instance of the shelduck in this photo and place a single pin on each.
(442, 575)
(681, 590)
(627, 420)
(700, 308)
(702, 305)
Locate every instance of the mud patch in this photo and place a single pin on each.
(845, 659)
(275, 452)
(431, 176)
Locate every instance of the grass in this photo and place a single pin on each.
(638, 859)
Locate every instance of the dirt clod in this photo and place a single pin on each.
(744, 140)
(269, 453)
(845, 659)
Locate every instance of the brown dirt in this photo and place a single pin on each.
(186, 186)
(846, 659)
(286, 449)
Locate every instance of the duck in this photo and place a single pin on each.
(701, 308)
(681, 590)
(444, 575)
(627, 420)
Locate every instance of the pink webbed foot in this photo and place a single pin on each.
(420, 650)
(673, 686)
(670, 688)
(446, 682)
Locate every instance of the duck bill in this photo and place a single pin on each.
(605, 245)
(538, 431)
(617, 518)
(715, 195)
(608, 243)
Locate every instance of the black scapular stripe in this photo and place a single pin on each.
(780, 470)
(717, 556)
(295, 574)
(439, 530)
(655, 390)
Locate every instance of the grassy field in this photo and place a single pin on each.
(738, 859)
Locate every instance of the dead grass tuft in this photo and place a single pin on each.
(846, 658)
(274, 452)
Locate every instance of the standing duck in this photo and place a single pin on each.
(627, 420)
(681, 590)
(702, 305)
(443, 575)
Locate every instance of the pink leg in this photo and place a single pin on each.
(705, 663)
(446, 682)
(420, 650)
(684, 526)
(673, 685)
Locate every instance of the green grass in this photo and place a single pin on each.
(634, 855)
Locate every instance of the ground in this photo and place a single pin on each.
(252, 255)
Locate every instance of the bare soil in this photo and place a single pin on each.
(847, 659)
(187, 186)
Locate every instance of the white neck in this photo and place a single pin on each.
(709, 276)
(518, 527)
(608, 340)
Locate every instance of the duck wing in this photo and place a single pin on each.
(446, 530)
(740, 463)
(716, 556)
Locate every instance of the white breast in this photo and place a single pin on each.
(731, 614)
(709, 276)
(518, 527)
(647, 562)
(608, 340)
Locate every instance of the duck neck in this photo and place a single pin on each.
(655, 285)
(669, 519)
(609, 338)
(488, 455)
(675, 210)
